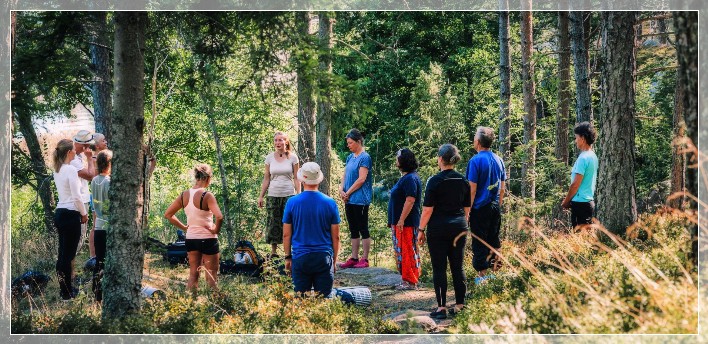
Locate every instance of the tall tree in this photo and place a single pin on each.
(686, 25)
(581, 64)
(564, 94)
(528, 174)
(124, 249)
(102, 85)
(324, 103)
(505, 88)
(678, 158)
(616, 190)
(304, 67)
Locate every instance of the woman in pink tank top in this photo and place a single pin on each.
(202, 242)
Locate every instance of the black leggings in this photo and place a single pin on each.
(440, 245)
(99, 242)
(68, 224)
(358, 219)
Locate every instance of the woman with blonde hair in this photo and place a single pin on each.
(202, 242)
(70, 213)
(279, 181)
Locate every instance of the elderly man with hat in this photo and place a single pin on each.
(84, 163)
(311, 234)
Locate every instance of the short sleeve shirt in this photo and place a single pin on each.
(363, 195)
(448, 192)
(587, 166)
(311, 214)
(281, 175)
(408, 186)
(486, 169)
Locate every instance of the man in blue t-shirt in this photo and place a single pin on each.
(486, 176)
(311, 234)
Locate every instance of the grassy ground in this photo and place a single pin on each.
(551, 282)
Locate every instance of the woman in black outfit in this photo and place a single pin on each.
(446, 207)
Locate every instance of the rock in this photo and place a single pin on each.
(387, 280)
(413, 318)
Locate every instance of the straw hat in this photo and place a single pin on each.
(310, 173)
(84, 137)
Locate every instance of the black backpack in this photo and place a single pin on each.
(30, 283)
(246, 261)
(176, 252)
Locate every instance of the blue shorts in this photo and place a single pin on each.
(314, 269)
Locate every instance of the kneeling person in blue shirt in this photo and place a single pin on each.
(311, 234)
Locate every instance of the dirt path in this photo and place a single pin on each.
(382, 281)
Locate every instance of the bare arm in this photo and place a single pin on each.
(90, 171)
(296, 182)
(218, 216)
(172, 210)
(407, 207)
(424, 218)
(264, 185)
(334, 230)
(573, 190)
(287, 237)
(473, 192)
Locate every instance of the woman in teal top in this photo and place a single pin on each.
(583, 177)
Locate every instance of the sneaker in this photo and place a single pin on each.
(439, 314)
(363, 263)
(349, 263)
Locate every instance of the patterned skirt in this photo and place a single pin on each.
(407, 257)
(275, 206)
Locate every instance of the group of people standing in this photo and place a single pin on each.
(77, 162)
(307, 222)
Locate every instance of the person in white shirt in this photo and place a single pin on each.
(279, 181)
(70, 214)
(85, 165)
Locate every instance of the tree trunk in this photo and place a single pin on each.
(102, 87)
(124, 249)
(324, 110)
(528, 177)
(39, 168)
(505, 89)
(5, 184)
(686, 24)
(224, 184)
(578, 36)
(678, 158)
(562, 149)
(305, 96)
(616, 189)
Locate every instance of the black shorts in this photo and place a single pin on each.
(581, 213)
(358, 219)
(204, 246)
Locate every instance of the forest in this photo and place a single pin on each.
(214, 87)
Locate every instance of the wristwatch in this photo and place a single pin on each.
(290, 256)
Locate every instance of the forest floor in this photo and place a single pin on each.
(381, 281)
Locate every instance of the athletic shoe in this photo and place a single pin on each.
(439, 314)
(363, 263)
(349, 263)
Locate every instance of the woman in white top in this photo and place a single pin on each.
(68, 216)
(202, 242)
(278, 180)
